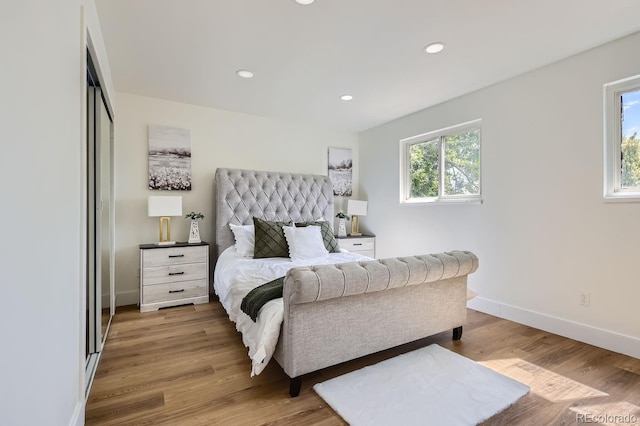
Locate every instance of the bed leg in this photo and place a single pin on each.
(457, 333)
(295, 383)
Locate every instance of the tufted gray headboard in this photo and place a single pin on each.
(243, 194)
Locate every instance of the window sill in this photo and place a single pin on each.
(622, 198)
(438, 201)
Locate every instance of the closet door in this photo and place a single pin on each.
(100, 221)
(104, 209)
(93, 237)
(100, 213)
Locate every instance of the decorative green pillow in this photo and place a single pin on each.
(330, 242)
(269, 239)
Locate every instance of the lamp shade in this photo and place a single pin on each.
(165, 206)
(356, 207)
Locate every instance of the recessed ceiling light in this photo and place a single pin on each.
(244, 73)
(304, 2)
(346, 97)
(434, 47)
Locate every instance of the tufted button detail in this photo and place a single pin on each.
(243, 194)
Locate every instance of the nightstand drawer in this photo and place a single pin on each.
(174, 273)
(358, 244)
(174, 291)
(174, 256)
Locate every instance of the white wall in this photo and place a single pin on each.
(218, 139)
(41, 167)
(543, 234)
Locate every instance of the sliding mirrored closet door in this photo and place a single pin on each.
(100, 217)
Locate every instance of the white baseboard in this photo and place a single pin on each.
(606, 339)
(128, 298)
(78, 415)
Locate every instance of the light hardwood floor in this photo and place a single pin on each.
(187, 366)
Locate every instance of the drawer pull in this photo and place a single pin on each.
(357, 244)
(176, 255)
(176, 291)
(176, 273)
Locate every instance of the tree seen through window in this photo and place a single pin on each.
(629, 124)
(461, 174)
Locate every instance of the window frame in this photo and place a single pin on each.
(612, 93)
(405, 165)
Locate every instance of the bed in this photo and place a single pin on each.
(336, 306)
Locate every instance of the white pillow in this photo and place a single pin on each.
(305, 242)
(245, 237)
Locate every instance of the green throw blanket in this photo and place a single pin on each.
(256, 298)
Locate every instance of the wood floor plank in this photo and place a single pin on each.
(103, 391)
(187, 366)
(118, 408)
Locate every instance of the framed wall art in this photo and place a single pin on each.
(169, 158)
(341, 171)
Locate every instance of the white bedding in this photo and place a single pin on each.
(235, 276)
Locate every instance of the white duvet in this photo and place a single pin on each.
(235, 276)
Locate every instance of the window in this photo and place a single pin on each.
(441, 166)
(622, 145)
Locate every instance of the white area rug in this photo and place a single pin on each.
(428, 386)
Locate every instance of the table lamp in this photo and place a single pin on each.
(165, 207)
(356, 208)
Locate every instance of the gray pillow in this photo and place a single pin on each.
(269, 239)
(330, 242)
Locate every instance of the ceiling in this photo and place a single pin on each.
(305, 57)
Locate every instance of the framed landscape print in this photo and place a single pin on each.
(169, 158)
(341, 171)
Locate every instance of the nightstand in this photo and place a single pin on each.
(173, 275)
(362, 244)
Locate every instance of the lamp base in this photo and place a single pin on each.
(164, 239)
(355, 225)
(355, 234)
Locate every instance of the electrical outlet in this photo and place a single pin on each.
(585, 299)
